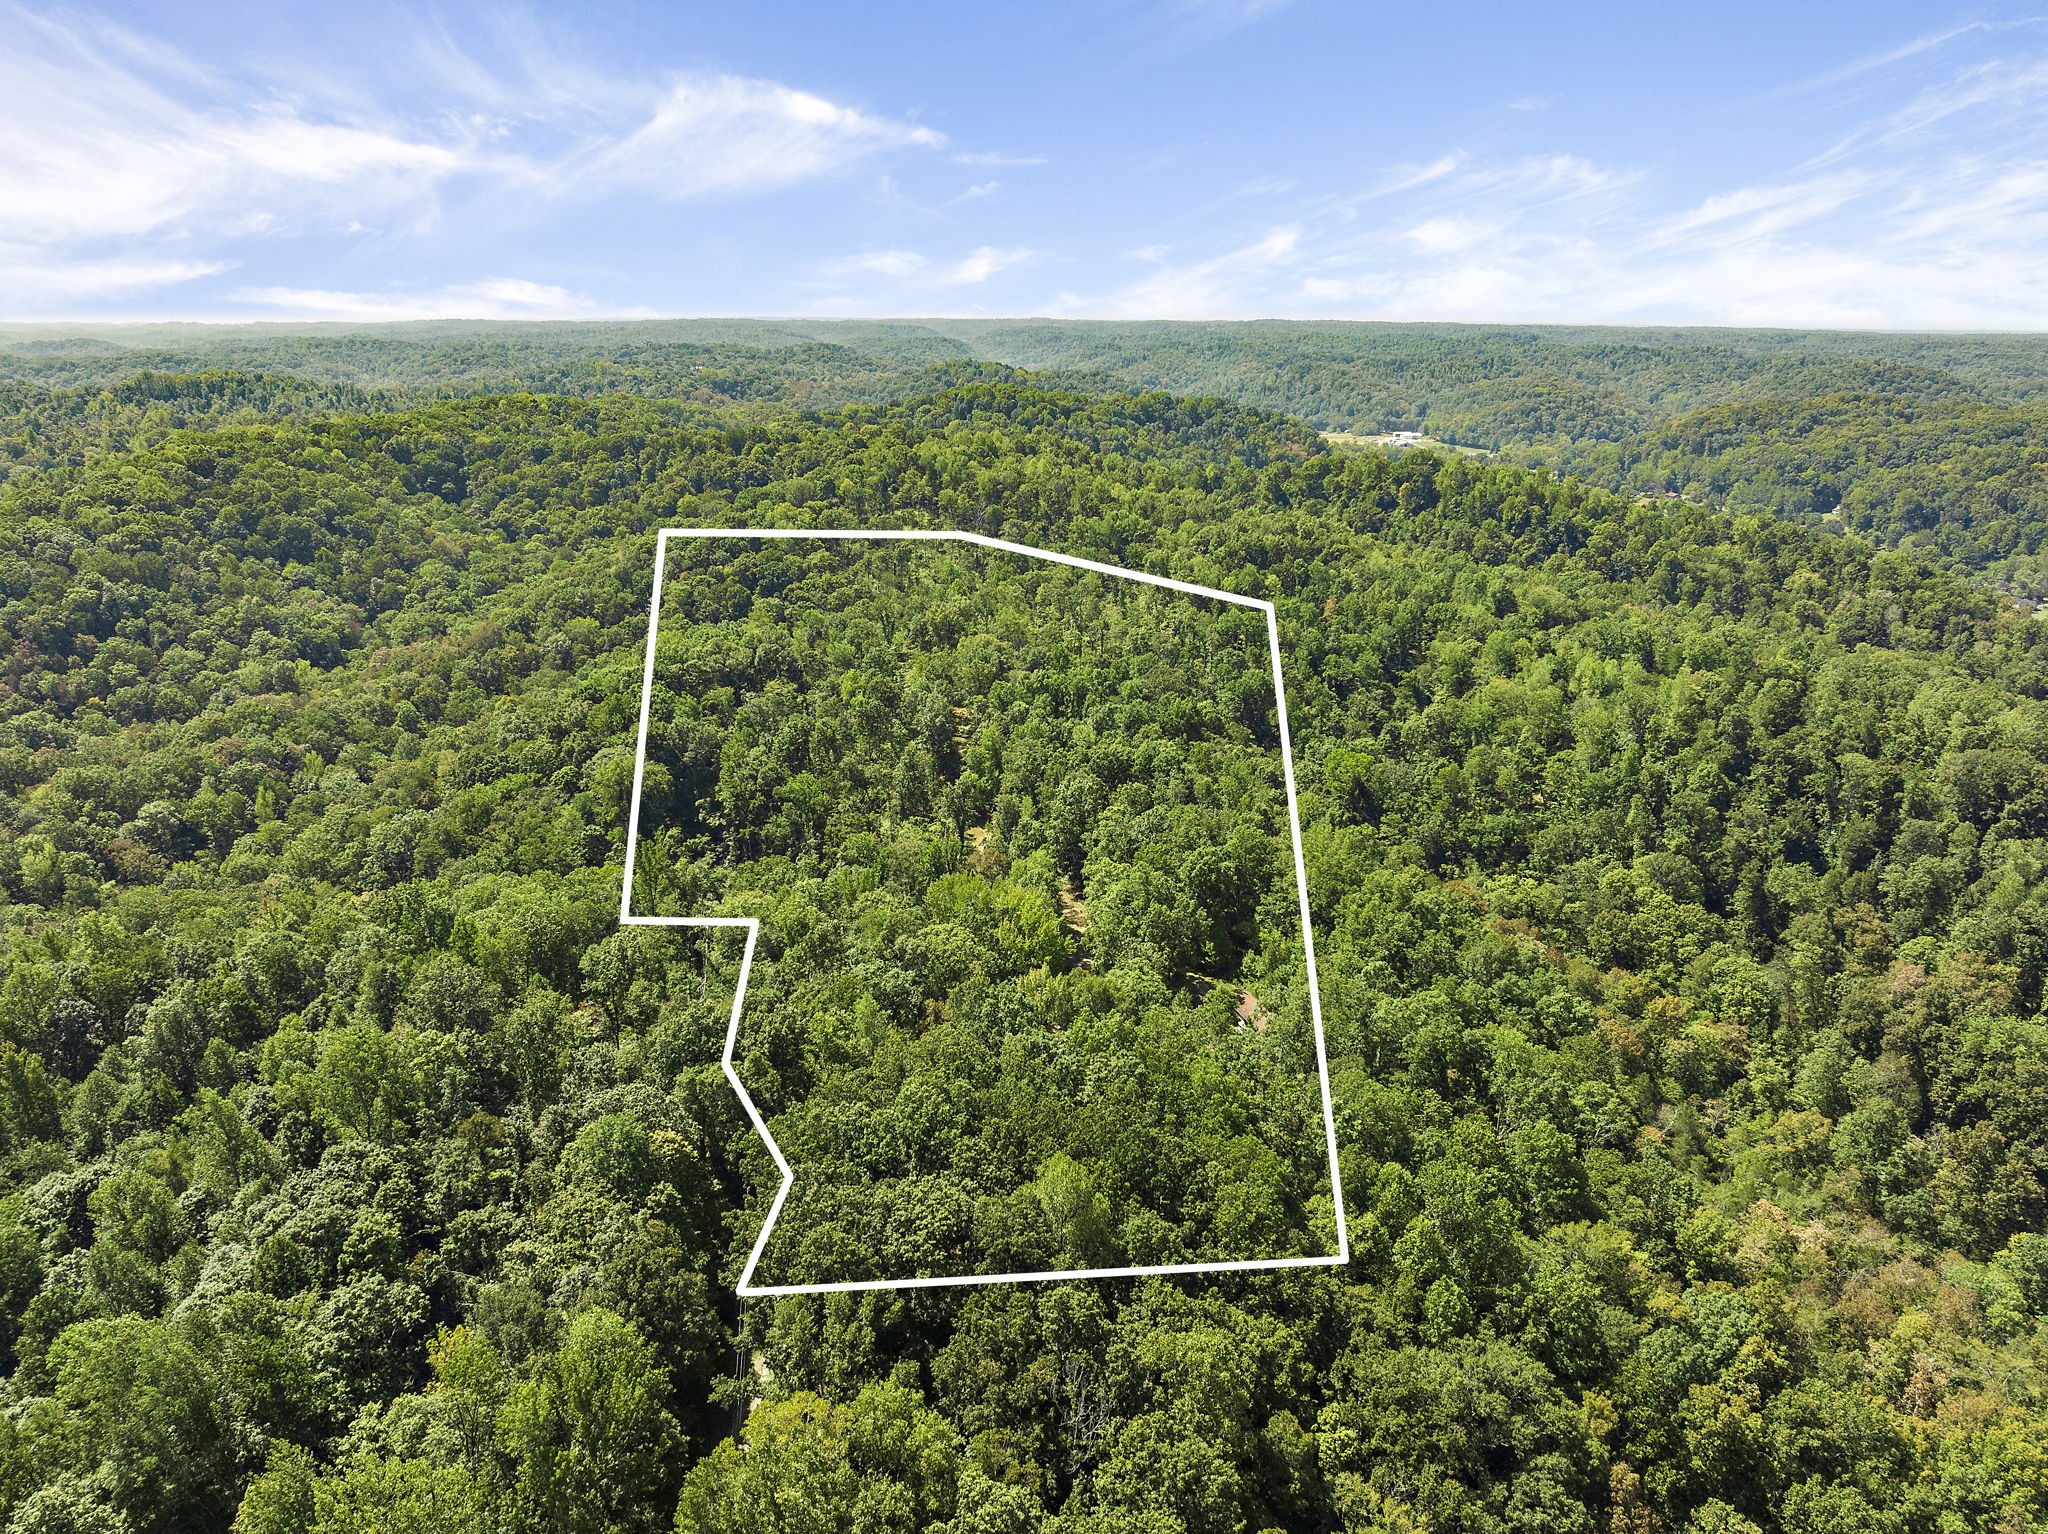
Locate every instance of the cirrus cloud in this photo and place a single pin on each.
(1930, 214)
(493, 298)
(130, 165)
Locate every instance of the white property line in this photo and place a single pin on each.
(746, 1284)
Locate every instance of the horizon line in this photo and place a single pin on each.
(285, 322)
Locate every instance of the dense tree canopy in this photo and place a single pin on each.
(1679, 878)
(1015, 833)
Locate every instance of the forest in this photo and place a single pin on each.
(1678, 878)
(1015, 834)
(1932, 442)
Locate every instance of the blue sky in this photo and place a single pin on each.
(1856, 164)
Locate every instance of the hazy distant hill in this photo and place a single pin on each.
(1928, 440)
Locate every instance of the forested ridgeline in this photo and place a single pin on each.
(1935, 442)
(1680, 886)
(1963, 482)
(1930, 441)
(1491, 385)
(64, 401)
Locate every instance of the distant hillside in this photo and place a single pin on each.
(1962, 480)
(1928, 440)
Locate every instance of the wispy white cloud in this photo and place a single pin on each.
(1930, 211)
(984, 157)
(1227, 13)
(726, 135)
(981, 264)
(1547, 180)
(1996, 97)
(1406, 178)
(1215, 286)
(912, 271)
(1871, 63)
(879, 263)
(105, 143)
(494, 298)
(1443, 236)
(39, 282)
(1769, 208)
(130, 168)
(1172, 26)
(129, 164)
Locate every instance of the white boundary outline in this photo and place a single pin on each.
(746, 1286)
